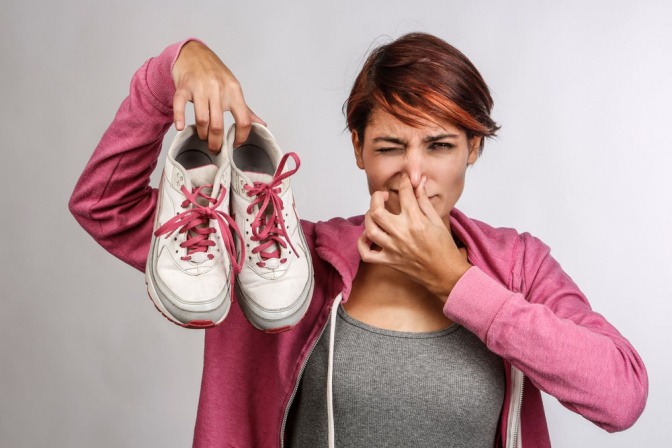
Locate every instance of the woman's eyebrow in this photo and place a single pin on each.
(388, 139)
(436, 138)
(399, 141)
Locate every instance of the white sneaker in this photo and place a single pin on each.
(275, 284)
(192, 254)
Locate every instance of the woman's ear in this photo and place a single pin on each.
(357, 146)
(474, 148)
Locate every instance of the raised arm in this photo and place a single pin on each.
(543, 325)
(113, 200)
(529, 311)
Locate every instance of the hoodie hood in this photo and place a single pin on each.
(336, 243)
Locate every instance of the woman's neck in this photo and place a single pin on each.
(386, 298)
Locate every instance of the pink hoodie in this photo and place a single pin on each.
(515, 298)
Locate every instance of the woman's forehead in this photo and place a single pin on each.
(383, 121)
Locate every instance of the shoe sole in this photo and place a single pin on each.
(270, 325)
(195, 323)
(267, 323)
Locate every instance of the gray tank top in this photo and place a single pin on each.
(398, 389)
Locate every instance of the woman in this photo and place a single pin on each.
(443, 329)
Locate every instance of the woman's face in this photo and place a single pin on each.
(439, 152)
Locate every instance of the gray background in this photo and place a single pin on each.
(583, 161)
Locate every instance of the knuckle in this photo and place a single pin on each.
(377, 214)
(235, 85)
(216, 127)
(184, 83)
(371, 234)
(365, 255)
(416, 227)
(214, 85)
(244, 123)
(180, 93)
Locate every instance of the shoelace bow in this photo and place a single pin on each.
(194, 222)
(268, 229)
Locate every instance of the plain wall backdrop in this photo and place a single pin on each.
(583, 161)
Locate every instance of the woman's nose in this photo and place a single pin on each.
(414, 168)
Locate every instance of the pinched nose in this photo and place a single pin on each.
(414, 167)
(414, 171)
(415, 177)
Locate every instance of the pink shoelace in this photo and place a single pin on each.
(268, 229)
(195, 221)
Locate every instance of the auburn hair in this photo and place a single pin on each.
(421, 77)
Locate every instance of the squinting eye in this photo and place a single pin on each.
(441, 145)
(385, 149)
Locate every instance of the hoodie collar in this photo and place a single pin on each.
(336, 242)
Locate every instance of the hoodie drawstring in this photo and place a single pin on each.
(330, 371)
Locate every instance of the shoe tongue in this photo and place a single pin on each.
(203, 175)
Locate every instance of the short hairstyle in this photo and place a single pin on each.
(419, 76)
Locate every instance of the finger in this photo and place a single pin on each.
(377, 213)
(375, 233)
(179, 103)
(378, 199)
(202, 116)
(366, 253)
(422, 184)
(363, 246)
(407, 200)
(425, 204)
(363, 243)
(242, 116)
(243, 125)
(216, 126)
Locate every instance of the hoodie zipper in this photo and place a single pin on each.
(515, 405)
(296, 386)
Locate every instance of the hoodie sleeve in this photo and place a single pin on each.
(112, 200)
(549, 332)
